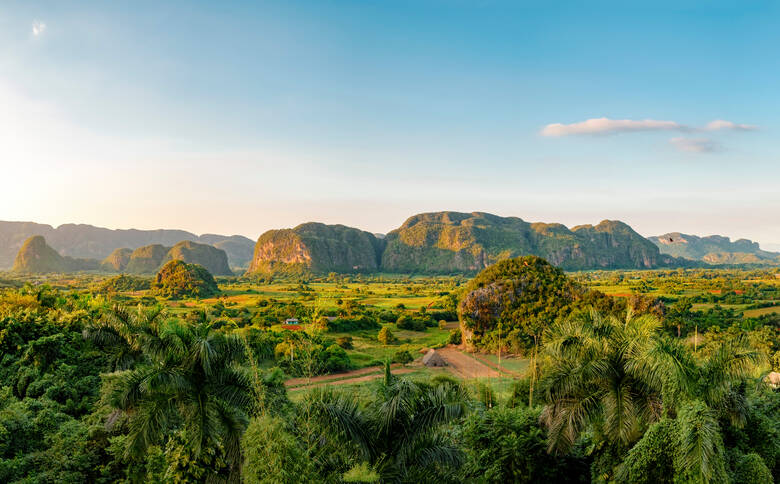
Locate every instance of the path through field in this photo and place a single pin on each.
(464, 365)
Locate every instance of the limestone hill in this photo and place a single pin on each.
(317, 248)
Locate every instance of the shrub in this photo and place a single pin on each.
(403, 357)
(455, 337)
(345, 342)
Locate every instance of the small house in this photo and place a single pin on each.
(291, 321)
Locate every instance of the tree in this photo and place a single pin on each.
(190, 383)
(124, 334)
(597, 376)
(385, 336)
(401, 431)
(509, 445)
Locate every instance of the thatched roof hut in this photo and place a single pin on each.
(433, 359)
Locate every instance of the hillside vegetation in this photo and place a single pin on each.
(178, 279)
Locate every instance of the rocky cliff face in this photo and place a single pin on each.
(446, 242)
(713, 249)
(316, 248)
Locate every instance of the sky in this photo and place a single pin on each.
(239, 117)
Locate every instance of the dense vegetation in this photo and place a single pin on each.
(102, 381)
(178, 279)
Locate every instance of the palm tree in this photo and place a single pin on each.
(598, 376)
(400, 432)
(717, 379)
(125, 334)
(190, 382)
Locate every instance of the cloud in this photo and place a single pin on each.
(38, 28)
(696, 145)
(606, 126)
(603, 126)
(720, 124)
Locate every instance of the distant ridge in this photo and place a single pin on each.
(37, 257)
(88, 241)
(714, 249)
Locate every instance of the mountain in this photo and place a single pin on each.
(37, 257)
(714, 249)
(446, 242)
(116, 261)
(317, 248)
(87, 241)
(214, 260)
(452, 242)
(238, 248)
(146, 259)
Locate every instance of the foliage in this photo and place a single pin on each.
(178, 279)
(508, 445)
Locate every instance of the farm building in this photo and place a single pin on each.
(291, 321)
(433, 359)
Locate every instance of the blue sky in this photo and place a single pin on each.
(237, 117)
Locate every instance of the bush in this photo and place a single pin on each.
(455, 337)
(442, 324)
(403, 357)
(751, 469)
(345, 342)
(356, 323)
(409, 323)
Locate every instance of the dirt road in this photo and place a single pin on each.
(464, 365)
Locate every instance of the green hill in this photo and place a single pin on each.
(177, 279)
(316, 248)
(117, 261)
(714, 249)
(147, 259)
(37, 257)
(213, 259)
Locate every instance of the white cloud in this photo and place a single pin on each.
(597, 126)
(720, 124)
(606, 126)
(696, 145)
(38, 28)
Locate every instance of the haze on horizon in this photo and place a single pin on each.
(234, 118)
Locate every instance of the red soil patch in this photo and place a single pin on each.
(622, 294)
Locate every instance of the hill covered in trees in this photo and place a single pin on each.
(90, 242)
(713, 249)
(178, 279)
